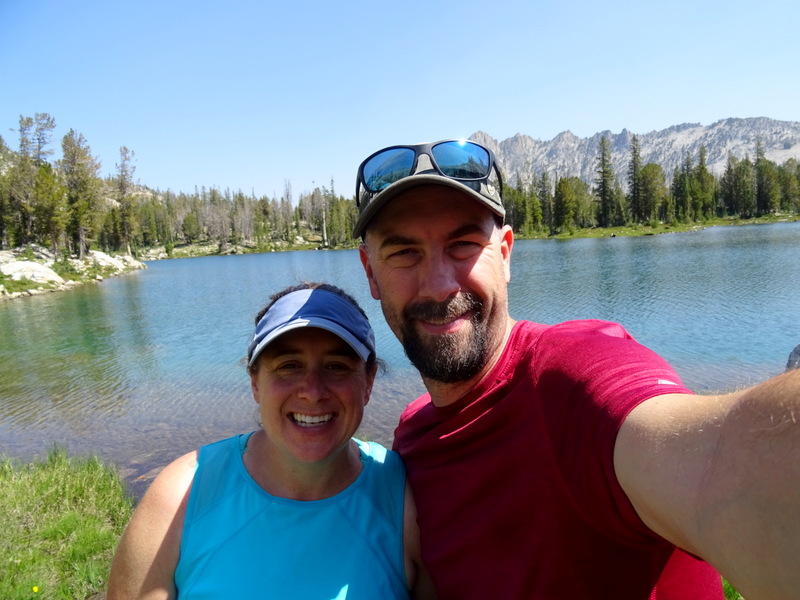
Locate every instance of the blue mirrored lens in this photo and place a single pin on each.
(386, 167)
(462, 160)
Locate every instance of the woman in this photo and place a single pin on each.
(298, 508)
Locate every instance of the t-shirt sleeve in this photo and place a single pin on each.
(591, 375)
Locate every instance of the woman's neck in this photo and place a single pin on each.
(282, 476)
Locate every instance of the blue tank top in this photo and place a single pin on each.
(239, 541)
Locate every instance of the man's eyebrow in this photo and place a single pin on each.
(405, 240)
(469, 229)
(397, 240)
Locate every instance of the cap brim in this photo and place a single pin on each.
(382, 198)
(320, 323)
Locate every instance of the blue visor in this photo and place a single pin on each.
(313, 308)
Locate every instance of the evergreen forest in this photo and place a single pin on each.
(67, 206)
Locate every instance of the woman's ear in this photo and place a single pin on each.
(371, 373)
(254, 383)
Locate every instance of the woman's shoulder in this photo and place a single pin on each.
(378, 453)
(384, 468)
(170, 488)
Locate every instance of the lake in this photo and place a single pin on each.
(147, 366)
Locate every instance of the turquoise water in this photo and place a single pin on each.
(146, 366)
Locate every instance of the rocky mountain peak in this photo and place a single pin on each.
(524, 157)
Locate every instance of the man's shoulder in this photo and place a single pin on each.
(587, 327)
(528, 336)
(414, 407)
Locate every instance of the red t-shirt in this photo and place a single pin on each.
(515, 485)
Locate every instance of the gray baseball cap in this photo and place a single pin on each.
(485, 190)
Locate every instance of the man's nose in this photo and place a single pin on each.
(440, 279)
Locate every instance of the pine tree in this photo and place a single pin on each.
(744, 188)
(533, 212)
(21, 181)
(768, 191)
(6, 158)
(43, 125)
(126, 199)
(191, 228)
(635, 193)
(682, 190)
(564, 204)
(789, 178)
(545, 193)
(51, 207)
(653, 191)
(703, 188)
(80, 171)
(605, 184)
(584, 203)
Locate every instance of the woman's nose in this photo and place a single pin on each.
(313, 385)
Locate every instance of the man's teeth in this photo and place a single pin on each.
(443, 320)
(309, 420)
(438, 321)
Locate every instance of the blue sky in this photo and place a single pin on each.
(251, 95)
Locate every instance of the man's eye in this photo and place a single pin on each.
(465, 248)
(402, 257)
(402, 252)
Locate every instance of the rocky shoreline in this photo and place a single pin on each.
(33, 270)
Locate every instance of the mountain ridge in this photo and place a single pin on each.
(522, 156)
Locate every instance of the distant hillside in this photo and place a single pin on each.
(567, 155)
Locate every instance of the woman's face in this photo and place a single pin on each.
(311, 388)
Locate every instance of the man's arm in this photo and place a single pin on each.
(147, 554)
(719, 476)
(418, 579)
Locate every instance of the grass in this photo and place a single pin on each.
(12, 286)
(730, 592)
(60, 520)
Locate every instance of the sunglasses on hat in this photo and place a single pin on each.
(461, 160)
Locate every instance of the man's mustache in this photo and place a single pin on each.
(449, 309)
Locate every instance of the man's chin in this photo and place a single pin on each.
(446, 359)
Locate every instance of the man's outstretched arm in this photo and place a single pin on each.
(719, 476)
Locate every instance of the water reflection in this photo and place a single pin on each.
(69, 338)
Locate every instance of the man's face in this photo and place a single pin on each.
(439, 264)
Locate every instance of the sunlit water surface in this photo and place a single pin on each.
(144, 367)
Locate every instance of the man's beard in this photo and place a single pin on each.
(452, 357)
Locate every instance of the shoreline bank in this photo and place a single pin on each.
(34, 270)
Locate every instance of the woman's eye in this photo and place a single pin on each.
(338, 367)
(288, 366)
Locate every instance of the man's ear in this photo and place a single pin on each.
(506, 245)
(363, 254)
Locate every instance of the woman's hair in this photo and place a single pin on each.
(371, 362)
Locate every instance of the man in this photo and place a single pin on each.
(562, 461)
